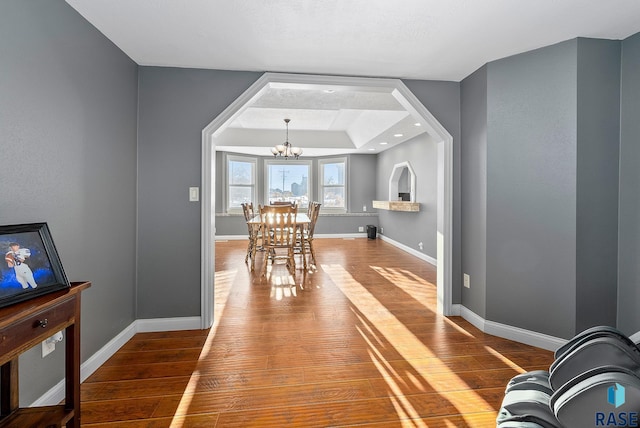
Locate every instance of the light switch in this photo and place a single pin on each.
(194, 194)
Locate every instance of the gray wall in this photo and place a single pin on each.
(68, 102)
(598, 134)
(629, 202)
(531, 190)
(362, 190)
(473, 94)
(551, 186)
(410, 228)
(174, 106)
(442, 99)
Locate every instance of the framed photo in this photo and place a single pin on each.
(31, 265)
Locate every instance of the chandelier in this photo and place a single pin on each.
(286, 150)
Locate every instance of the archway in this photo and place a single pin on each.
(407, 99)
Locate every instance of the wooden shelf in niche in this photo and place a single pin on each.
(397, 206)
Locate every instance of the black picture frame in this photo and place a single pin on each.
(31, 265)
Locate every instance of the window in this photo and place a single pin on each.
(241, 182)
(333, 184)
(288, 180)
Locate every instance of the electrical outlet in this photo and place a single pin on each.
(467, 280)
(364, 208)
(421, 246)
(381, 230)
(48, 347)
(360, 228)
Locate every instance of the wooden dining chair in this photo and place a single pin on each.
(278, 225)
(305, 238)
(254, 234)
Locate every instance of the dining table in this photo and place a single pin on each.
(302, 222)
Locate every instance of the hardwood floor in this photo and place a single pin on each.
(355, 343)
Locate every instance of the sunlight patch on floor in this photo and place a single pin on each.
(458, 327)
(223, 281)
(391, 329)
(405, 411)
(504, 359)
(281, 290)
(418, 288)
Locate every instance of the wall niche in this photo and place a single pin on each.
(402, 190)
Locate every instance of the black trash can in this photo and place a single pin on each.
(372, 231)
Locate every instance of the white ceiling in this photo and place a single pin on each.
(325, 120)
(410, 39)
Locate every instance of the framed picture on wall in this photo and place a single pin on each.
(31, 265)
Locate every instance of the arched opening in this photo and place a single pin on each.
(402, 182)
(412, 105)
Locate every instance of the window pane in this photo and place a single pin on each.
(241, 176)
(240, 172)
(239, 195)
(333, 173)
(289, 182)
(333, 197)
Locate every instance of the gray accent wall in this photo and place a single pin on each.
(629, 200)
(362, 183)
(473, 94)
(411, 228)
(175, 105)
(68, 100)
(551, 150)
(598, 134)
(442, 99)
(531, 190)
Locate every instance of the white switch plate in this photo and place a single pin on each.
(467, 280)
(194, 194)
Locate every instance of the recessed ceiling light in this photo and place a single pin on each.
(371, 150)
(398, 135)
(417, 124)
(384, 143)
(328, 91)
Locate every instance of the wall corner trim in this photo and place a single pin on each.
(56, 394)
(528, 337)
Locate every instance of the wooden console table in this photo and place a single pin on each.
(23, 326)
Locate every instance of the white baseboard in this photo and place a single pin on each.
(476, 320)
(540, 340)
(528, 337)
(456, 309)
(232, 237)
(410, 250)
(56, 394)
(340, 235)
(167, 324)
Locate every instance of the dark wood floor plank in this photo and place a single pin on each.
(356, 342)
